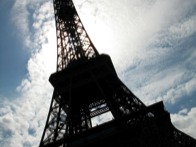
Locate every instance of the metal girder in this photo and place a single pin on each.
(73, 42)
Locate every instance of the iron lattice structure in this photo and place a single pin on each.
(86, 86)
(73, 42)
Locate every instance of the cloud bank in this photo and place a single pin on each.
(185, 120)
(23, 118)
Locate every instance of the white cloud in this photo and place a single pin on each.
(185, 121)
(125, 29)
(182, 90)
(27, 17)
(20, 19)
(183, 29)
(157, 62)
(170, 84)
(25, 116)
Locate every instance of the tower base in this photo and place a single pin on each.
(132, 131)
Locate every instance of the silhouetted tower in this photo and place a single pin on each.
(87, 87)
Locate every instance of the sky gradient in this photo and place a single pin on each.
(151, 43)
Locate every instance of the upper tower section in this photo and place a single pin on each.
(73, 42)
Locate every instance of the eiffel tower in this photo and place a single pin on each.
(86, 87)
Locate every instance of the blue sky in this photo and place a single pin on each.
(151, 42)
(12, 56)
